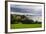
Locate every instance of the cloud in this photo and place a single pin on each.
(34, 9)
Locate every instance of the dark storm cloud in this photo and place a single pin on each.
(34, 9)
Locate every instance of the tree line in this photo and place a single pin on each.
(16, 19)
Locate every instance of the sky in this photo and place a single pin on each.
(33, 9)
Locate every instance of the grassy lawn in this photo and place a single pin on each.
(16, 26)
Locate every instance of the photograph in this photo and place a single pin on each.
(28, 16)
(25, 16)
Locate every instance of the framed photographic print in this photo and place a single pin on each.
(25, 16)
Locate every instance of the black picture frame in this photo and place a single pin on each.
(6, 16)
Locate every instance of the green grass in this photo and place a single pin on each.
(16, 26)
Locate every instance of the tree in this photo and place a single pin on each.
(37, 22)
(13, 19)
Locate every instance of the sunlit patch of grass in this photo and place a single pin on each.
(17, 26)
